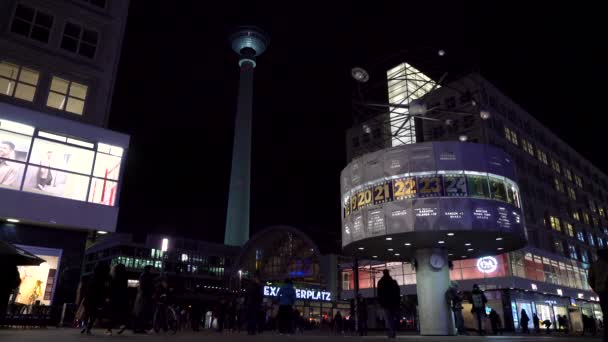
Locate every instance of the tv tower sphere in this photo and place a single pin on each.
(249, 42)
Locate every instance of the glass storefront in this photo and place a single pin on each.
(38, 282)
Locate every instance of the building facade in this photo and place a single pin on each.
(190, 263)
(60, 168)
(564, 199)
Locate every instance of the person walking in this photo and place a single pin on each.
(598, 280)
(495, 322)
(479, 300)
(536, 323)
(524, 319)
(253, 303)
(287, 297)
(8, 283)
(338, 323)
(96, 296)
(143, 307)
(389, 297)
(362, 315)
(454, 298)
(119, 299)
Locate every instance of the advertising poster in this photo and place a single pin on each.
(399, 216)
(426, 214)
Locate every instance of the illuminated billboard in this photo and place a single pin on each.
(45, 156)
(421, 191)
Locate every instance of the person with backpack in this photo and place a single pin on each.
(389, 296)
(479, 300)
(598, 280)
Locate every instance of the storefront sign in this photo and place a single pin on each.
(487, 264)
(308, 294)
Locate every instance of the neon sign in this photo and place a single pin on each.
(487, 264)
(273, 291)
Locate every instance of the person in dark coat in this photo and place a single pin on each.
(479, 300)
(389, 297)
(143, 308)
(536, 323)
(9, 281)
(253, 303)
(524, 320)
(495, 322)
(119, 298)
(338, 323)
(96, 296)
(362, 315)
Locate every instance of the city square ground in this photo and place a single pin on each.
(68, 335)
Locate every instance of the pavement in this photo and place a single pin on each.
(68, 335)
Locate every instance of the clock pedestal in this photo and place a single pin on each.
(432, 281)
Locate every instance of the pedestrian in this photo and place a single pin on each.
(253, 302)
(232, 310)
(495, 322)
(220, 313)
(287, 297)
(298, 321)
(389, 296)
(338, 323)
(536, 322)
(566, 324)
(362, 315)
(454, 298)
(96, 296)
(598, 280)
(524, 320)
(8, 283)
(479, 300)
(119, 299)
(143, 308)
(547, 324)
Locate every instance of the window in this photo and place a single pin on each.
(568, 174)
(591, 239)
(558, 246)
(580, 235)
(15, 141)
(97, 3)
(555, 224)
(527, 146)
(555, 165)
(576, 216)
(572, 250)
(600, 242)
(600, 210)
(584, 256)
(67, 95)
(592, 205)
(559, 186)
(104, 185)
(542, 156)
(79, 40)
(569, 229)
(511, 135)
(571, 194)
(32, 23)
(17, 81)
(586, 218)
(578, 181)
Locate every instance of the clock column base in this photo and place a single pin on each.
(432, 282)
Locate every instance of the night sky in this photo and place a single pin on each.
(177, 86)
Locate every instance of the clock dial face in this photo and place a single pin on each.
(437, 261)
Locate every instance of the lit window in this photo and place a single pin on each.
(569, 229)
(17, 81)
(581, 236)
(600, 242)
(555, 224)
(32, 23)
(571, 194)
(559, 186)
(586, 218)
(578, 181)
(511, 135)
(591, 239)
(572, 250)
(79, 40)
(542, 156)
(576, 216)
(527, 146)
(67, 95)
(600, 211)
(568, 174)
(555, 165)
